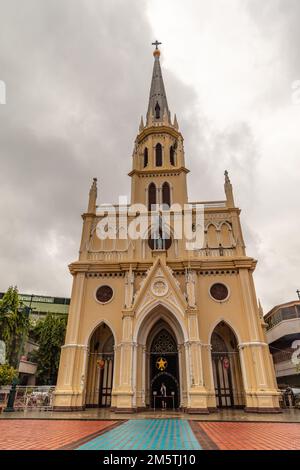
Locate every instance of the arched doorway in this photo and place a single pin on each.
(227, 374)
(163, 368)
(151, 322)
(100, 368)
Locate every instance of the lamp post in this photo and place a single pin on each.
(11, 397)
(298, 293)
(173, 396)
(154, 396)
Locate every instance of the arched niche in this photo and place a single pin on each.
(227, 372)
(100, 368)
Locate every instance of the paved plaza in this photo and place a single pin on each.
(103, 414)
(151, 434)
(155, 434)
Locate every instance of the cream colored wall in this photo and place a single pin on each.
(111, 263)
(143, 176)
(176, 180)
(219, 230)
(93, 312)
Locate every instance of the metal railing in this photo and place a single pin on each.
(282, 314)
(30, 397)
(282, 356)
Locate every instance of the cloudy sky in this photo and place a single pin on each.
(77, 75)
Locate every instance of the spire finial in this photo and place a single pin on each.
(156, 51)
(157, 100)
(228, 190)
(175, 123)
(227, 179)
(93, 197)
(260, 309)
(141, 127)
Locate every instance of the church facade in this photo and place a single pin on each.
(153, 323)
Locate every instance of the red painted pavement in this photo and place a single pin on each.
(253, 436)
(37, 434)
(53, 434)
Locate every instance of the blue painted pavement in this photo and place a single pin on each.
(154, 434)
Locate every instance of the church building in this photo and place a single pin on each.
(154, 324)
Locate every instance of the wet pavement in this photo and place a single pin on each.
(287, 416)
(144, 434)
(150, 434)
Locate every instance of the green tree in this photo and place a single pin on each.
(49, 334)
(14, 324)
(7, 374)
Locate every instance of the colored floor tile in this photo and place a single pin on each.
(154, 434)
(18, 434)
(253, 436)
(149, 434)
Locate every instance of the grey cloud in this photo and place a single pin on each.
(78, 77)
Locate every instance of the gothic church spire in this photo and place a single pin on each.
(158, 110)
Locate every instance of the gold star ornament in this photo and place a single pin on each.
(161, 363)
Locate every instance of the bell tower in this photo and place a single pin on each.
(158, 175)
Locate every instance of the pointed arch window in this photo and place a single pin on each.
(172, 155)
(151, 196)
(166, 194)
(160, 237)
(145, 157)
(158, 155)
(163, 343)
(157, 111)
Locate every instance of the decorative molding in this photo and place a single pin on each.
(206, 346)
(159, 287)
(252, 344)
(160, 283)
(171, 298)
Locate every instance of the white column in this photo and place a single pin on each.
(143, 375)
(180, 363)
(134, 372)
(188, 371)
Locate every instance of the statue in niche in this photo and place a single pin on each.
(190, 288)
(129, 288)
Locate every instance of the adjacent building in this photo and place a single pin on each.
(283, 335)
(40, 306)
